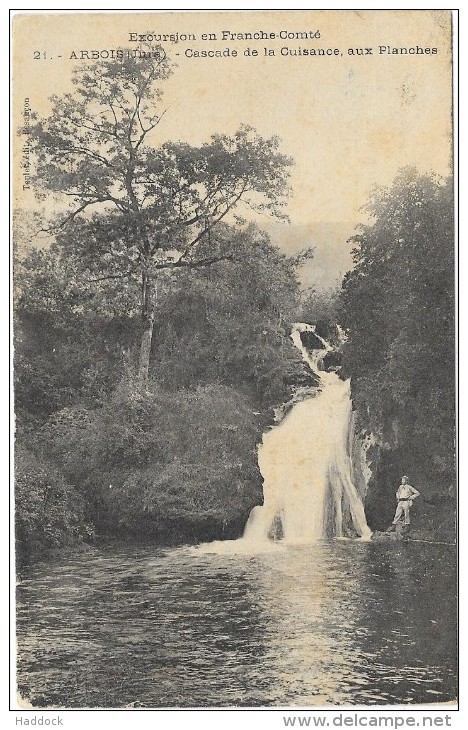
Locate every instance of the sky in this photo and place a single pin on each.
(350, 122)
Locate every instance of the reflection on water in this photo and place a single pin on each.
(342, 622)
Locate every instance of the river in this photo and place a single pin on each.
(338, 622)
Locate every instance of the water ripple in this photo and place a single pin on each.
(334, 623)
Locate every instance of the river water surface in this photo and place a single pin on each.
(339, 622)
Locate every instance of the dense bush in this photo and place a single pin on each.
(189, 455)
(49, 511)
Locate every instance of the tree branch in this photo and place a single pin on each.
(210, 227)
(94, 198)
(113, 276)
(76, 212)
(116, 124)
(145, 130)
(193, 264)
(96, 128)
(89, 153)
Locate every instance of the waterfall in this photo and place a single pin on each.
(306, 464)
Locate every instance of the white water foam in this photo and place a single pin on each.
(306, 466)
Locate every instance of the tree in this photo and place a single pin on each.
(398, 309)
(225, 323)
(131, 209)
(230, 322)
(320, 306)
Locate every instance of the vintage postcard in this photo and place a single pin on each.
(234, 360)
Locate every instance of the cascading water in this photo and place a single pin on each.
(305, 461)
(306, 466)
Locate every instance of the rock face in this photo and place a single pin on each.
(311, 341)
(433, 513)
(300, 377)
(332, 360)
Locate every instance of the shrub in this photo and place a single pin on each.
(49, 512)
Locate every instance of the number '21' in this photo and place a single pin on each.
(39, 54)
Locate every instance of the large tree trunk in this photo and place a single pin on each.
(145, 350)
(147, 313)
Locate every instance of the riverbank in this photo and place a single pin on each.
(414, 536)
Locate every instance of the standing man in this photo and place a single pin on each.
(405, 495)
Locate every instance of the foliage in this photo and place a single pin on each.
(320, 306)
(49, 512)
(185, 449)
(69, 345)
(398, 309)
(134, 209)
(230, 323)
(190, 455)
(144, 239)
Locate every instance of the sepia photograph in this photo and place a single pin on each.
(235, 480)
